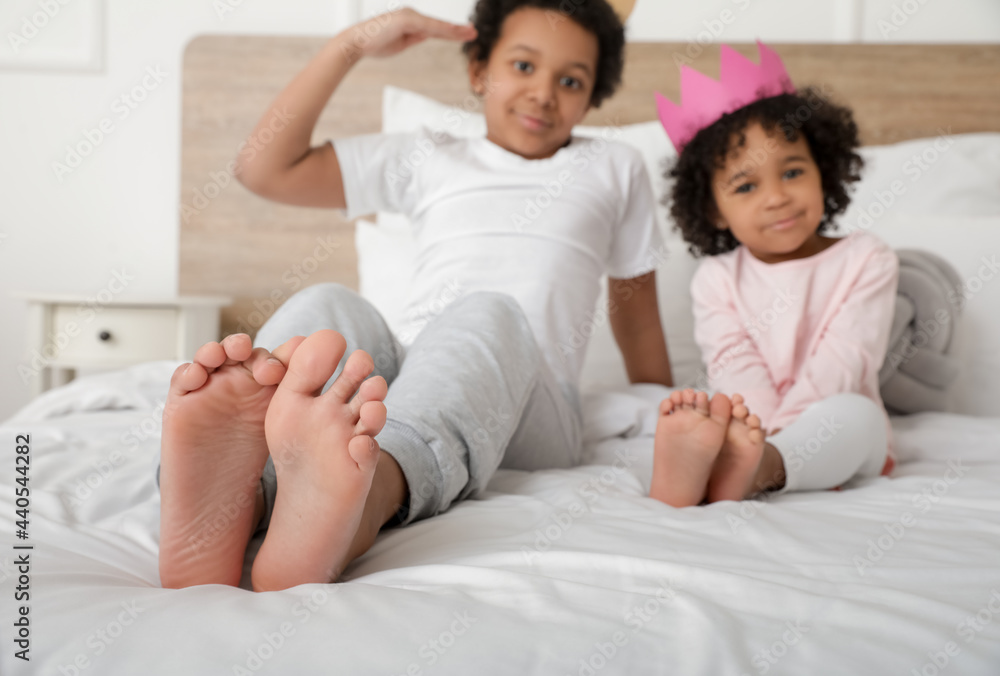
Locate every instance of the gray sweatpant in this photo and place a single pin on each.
(471, 394)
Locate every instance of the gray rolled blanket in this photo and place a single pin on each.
(919, 365)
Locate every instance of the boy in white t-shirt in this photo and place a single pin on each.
(284, 437)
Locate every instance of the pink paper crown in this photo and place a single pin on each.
(704, 100)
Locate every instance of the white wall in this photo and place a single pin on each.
(118, 210)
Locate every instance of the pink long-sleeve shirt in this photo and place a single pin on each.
(786, 335)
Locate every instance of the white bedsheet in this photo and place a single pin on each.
(556, 572)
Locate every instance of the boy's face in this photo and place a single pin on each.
(537, 83)
(770, 195)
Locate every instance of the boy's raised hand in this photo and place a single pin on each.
(392, 32)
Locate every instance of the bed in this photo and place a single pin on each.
(553, 572)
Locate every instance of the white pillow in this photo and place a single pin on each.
(955, 176)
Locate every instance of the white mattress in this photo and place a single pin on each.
(556, 572)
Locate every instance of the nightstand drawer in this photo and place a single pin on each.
(115, 335)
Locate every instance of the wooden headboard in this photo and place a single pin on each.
(237, 244)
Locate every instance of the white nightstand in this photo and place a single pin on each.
(67, 333)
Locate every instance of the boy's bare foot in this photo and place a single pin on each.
(325, 455)
(736, 467)
(689, 436)
(212, 454)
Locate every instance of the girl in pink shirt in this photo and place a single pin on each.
(793, 324)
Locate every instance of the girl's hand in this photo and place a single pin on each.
(392, 32)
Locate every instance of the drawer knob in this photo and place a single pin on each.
(104, 335)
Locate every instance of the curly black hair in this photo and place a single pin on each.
(829, 129)
(596, 16)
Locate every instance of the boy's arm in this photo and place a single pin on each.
(287, 169)
(635, 322)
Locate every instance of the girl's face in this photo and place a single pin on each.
(537, 83)
(770, 195)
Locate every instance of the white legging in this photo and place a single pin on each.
(834, 440)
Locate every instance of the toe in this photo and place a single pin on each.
(688, 397)
(740, 412)
(187, 377)
(283, 352)
(666, 406)
(364, 451)
(371, 418)
(753, 421)
(313, 362)
(677, 397)
(701, 403)
(210, 355)
(265, 368)
(237, 346)
(373, 389)
(359, 365)
(720, 409)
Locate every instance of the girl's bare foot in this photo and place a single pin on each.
(212, 454)
(733, 476)
(689, 436)
(324, 455)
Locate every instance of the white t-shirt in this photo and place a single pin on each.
(486, 219)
